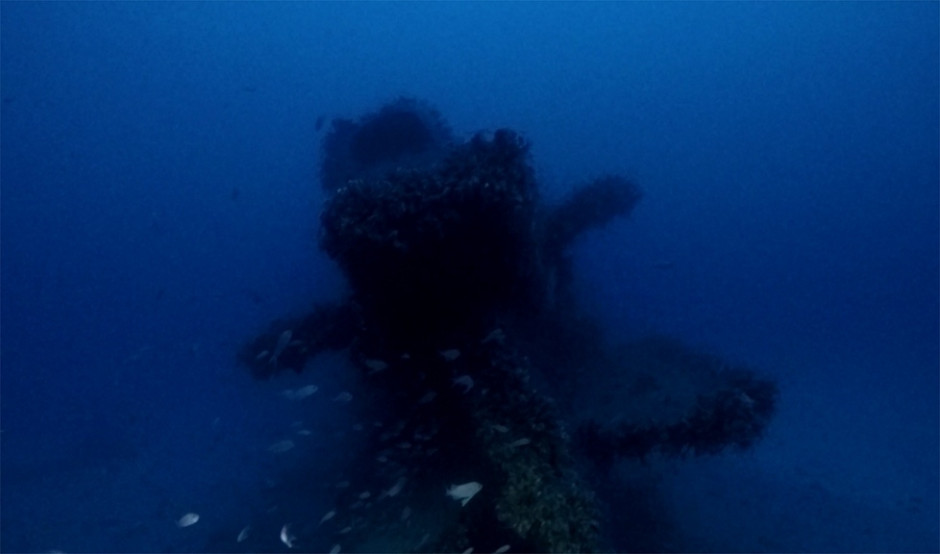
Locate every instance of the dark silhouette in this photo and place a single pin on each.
(460, 301)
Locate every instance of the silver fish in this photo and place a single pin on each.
(282, 343)
(397, 487)
(281, 446)
(464, 492)
(496, 335)
(301, 393)
(450, 355)
(464, 381)
(286, 537)
(188, 519)
(304, 392)
(243, 534)
(375, 366)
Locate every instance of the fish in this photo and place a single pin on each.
(262, 355)
(365, 495)
(468, 551)
(304, 392)
(336, 549)
(496, 335)
(450, 355)
(464, 492)
(396, 488)
(405, 513)
(301, 393)
(520, 442)
(343, 397)
(304, 432)
(282, 342)
(501, 549)
(464, 381)
(281, 446)
(243, 534)
(428, 397)
(345, 530)
(327, 517)
(286, 537)
(500, 428)
(375, 366)
(188, 519)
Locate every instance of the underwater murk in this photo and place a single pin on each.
(469, 276)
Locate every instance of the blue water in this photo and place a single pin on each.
(160, 206)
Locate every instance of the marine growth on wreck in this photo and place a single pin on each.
(462, 318)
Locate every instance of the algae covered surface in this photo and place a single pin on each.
(503, 408)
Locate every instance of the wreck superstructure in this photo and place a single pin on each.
(461, 293)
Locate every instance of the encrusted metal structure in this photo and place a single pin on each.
(461, 302)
